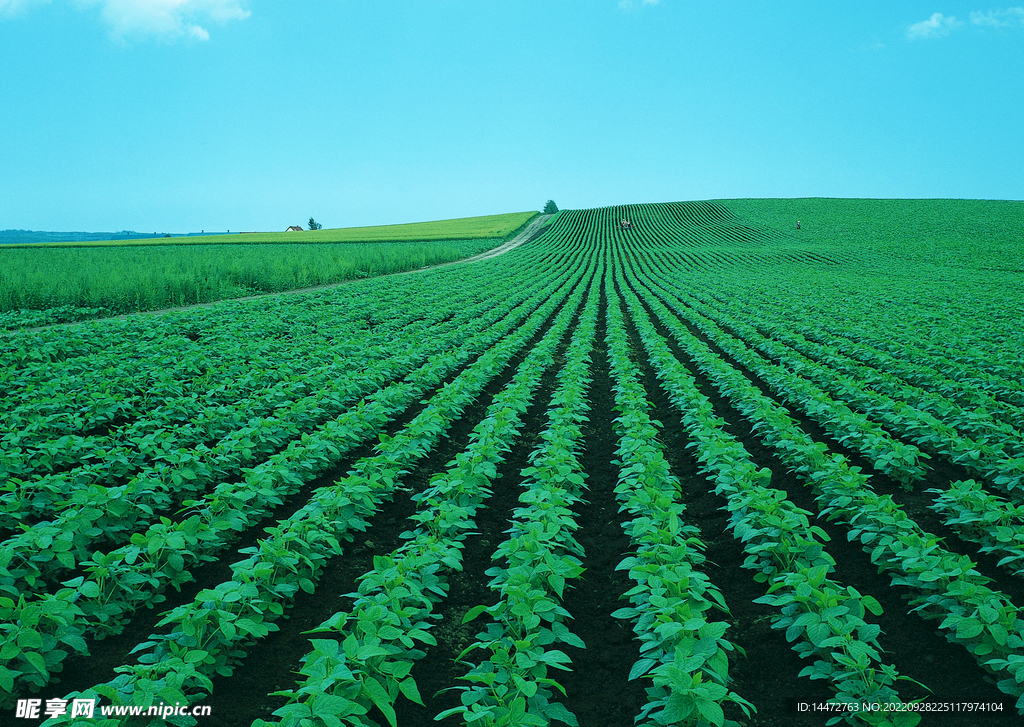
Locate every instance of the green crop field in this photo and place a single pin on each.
(60, 282)
(704, 469)
(462, 228)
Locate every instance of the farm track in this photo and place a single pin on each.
(631, 315)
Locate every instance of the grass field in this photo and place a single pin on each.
(61, 282)
(697, 472)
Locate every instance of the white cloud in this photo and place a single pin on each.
(166, 18)
(11, 7)
(937, 26)
(1011, 17)
(628, 6)
(169, 19)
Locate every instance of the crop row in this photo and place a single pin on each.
(683, 650)
(151, 454)
(134, 574)
(207, 636)
(540, 558)
(948, 587)
(114, 514)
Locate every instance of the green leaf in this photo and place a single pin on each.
(557, 711)
(30, 639)
(641, 667)
(517, 710)
(36, 659)
(351, 646)
(194, 656)
(6, 680)
(473, 613)
(449, 712)
(477, 716)
(248, 626)
(73, 639)
(969, 628)
(370, 651)
(557, 583)
(409, 689)
(869, 632)
(379, 696)
(712, 712)
(816, 633)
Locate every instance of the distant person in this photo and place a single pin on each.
(798, 224)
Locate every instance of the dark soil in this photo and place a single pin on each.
(598, 689)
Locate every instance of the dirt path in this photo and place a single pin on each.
(531, 231)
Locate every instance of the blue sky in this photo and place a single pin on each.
(181, 115)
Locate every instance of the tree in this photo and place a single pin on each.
(313, 224)
(550, 208)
